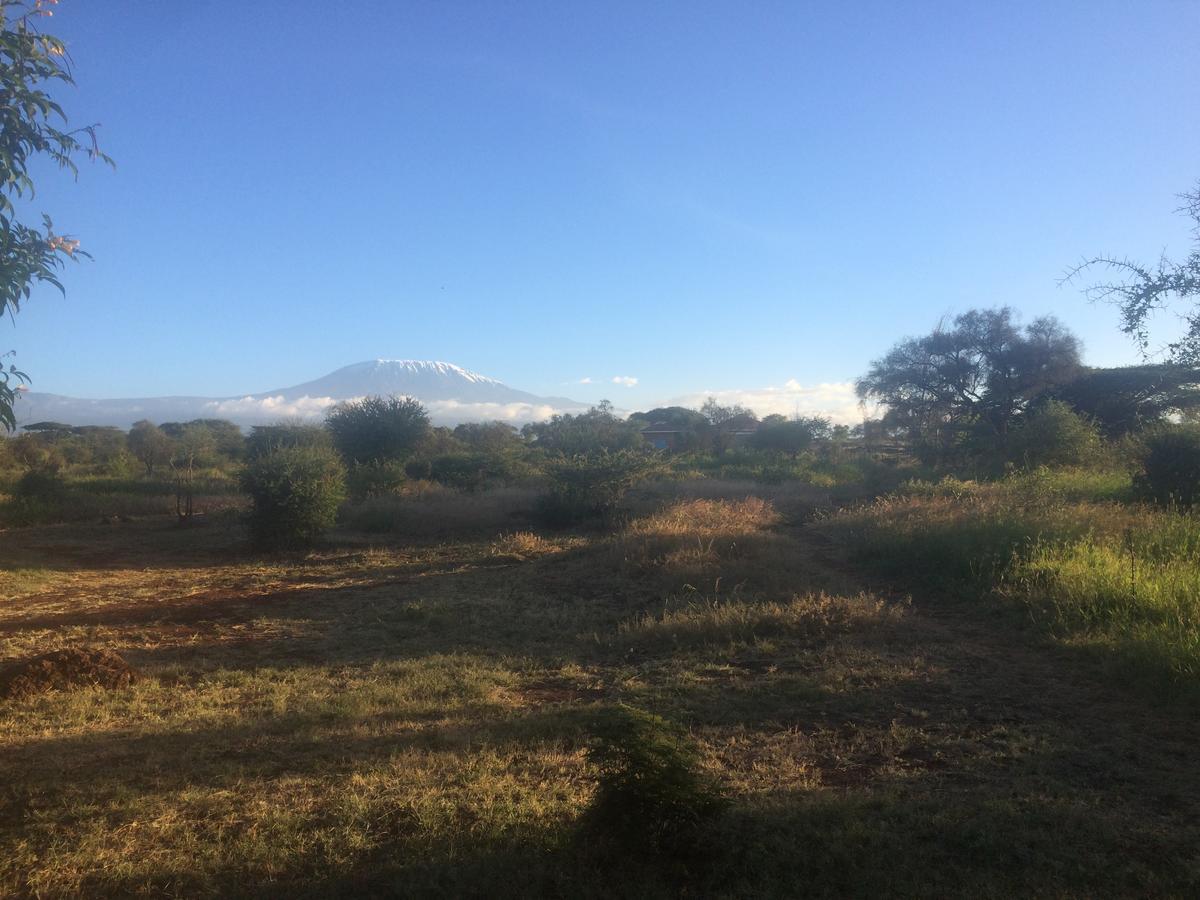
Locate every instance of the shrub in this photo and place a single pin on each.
(651, 796)
(296, 493)
(41, 484)
(474, 471)
(1055, 435)
(375, 479)
(265, 438)
(591, 486)
(1171, 466)
(377, 428)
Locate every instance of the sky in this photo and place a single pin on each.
(640, 202)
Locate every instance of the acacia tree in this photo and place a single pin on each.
(149, 445)
(1132, 398)
(981, 373)
(32, 126)
(1141, 289)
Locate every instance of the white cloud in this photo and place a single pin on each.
(451, 412)
(260, 410)
(584, 381)
(626, 380)
(836, 400)
(270, 408)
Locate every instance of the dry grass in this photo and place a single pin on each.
(734, 622)
(387, 716)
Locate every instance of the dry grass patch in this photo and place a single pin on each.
(715, 621)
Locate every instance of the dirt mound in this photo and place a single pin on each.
(63, 670)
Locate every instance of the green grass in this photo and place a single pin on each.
(1120, 579)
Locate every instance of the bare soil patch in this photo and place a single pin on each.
(63, 670)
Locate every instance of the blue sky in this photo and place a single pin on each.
(699, 196)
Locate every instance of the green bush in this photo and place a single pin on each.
(41, 484)
(473, 471)
(1055, 435)
(266, 438)
(590, 486)
(651, 797)
(1171, 466)
(375, 479)
(296, 492)
(375, 429)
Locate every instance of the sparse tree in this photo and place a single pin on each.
(31, 61)
(149, 445)
(226, 437)
(725, 421)
(1141, 289)
(598, 429)
(194, 448)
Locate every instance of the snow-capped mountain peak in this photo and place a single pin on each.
(451, 393)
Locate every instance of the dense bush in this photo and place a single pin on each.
(44, 483)
(375, 429)
(375, 479)
(591, 486)
(473, 471)
(1171, 466)
(266, 438)
(1055, 435)
(651, 798)
(597, 430)
(296, 493)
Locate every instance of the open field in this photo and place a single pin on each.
(390, 715)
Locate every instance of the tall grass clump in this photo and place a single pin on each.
(296, 492)
(1136, 594)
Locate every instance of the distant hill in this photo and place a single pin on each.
(451, 393)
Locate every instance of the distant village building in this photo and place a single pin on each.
(662, 436)
(665, 436)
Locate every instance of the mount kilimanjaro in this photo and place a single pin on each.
(451, 393)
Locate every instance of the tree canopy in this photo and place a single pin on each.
(31, 128)
(1130, 398)
(377, 429)
(979, 373)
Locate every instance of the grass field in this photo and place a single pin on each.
(407, 710)
(1118, 580)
